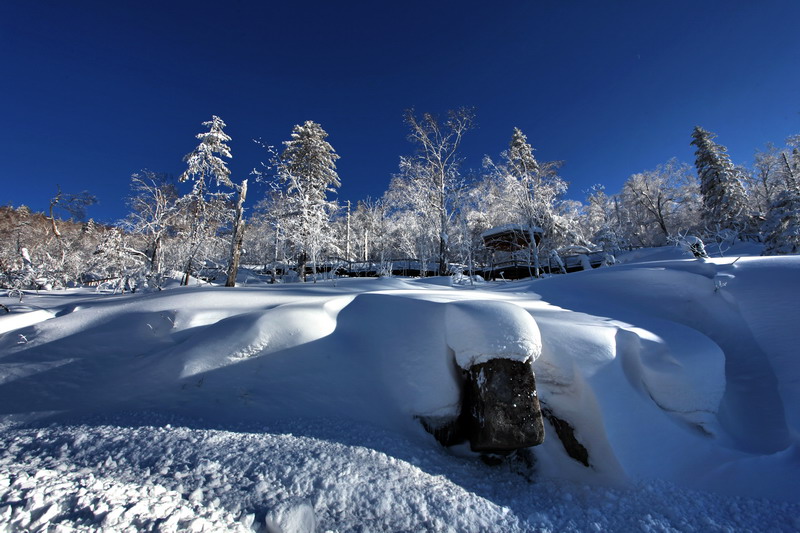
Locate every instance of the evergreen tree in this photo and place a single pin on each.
(530, 193)
(521, 162)
(307, 169)
(724, 199)
(782, 227)
(203, 164)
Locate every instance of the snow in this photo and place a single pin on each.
(510, 228)
(295, 407)
(481, 330)
(22, 318)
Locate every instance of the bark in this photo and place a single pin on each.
(238, 237)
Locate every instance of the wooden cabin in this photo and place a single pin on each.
(511, 237)
(509, 245)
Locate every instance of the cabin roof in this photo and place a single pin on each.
(510, 237)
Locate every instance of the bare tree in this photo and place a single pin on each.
(153, 204)
(238, 235)
(434, 169)
(664, 198)
(74, 204)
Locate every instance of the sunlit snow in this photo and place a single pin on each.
(295, 407)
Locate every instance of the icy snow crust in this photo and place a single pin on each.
(294, 407)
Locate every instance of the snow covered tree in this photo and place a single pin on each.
(782, 227)
(529, 192)
(369, 230)
(434, 170)
(265, 241)
(204, 165)
(153, 206)
(63, 258)
(33, 256)
(659, 203)
(724, 199)
(413, 215)
(601, 220)
(307, 170)
(765, 180)
(117, 261)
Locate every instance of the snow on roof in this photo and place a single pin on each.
(574, 249)
(508, 228)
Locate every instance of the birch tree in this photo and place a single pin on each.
(434, 169)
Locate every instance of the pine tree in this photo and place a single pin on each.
(782, 227)
(308, 171)
(724, 199)
(203, 164)
(521, 161)
(530, 194)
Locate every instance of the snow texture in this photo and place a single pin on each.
(478, 331)
(295, 407)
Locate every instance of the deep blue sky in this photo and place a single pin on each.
(93, 91)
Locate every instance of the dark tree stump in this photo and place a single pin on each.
(502, 407)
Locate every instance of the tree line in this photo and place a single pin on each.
(433, 211)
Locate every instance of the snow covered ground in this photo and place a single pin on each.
(294, 407)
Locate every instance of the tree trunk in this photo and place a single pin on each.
(443, 242)
(238, 236)
(187, 273)
(155, 257)
(347, 237)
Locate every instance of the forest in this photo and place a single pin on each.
(434, 215)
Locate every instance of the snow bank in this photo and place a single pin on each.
(682, 370)
(19, 320)
(258, 333)
(677, 376)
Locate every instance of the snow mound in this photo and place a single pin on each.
(481, 330)
(682, 370)
(15, 320)
(259, 333)
(678, 377)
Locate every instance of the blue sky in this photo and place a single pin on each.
(94, 91)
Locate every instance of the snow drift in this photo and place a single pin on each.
(278, 402)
